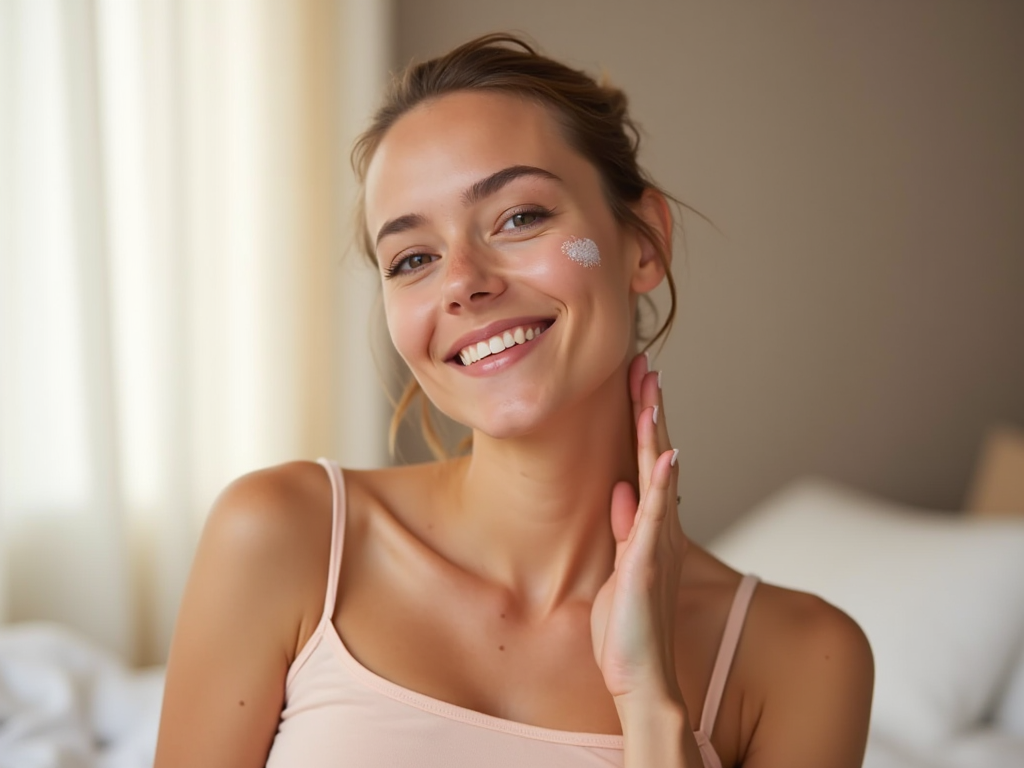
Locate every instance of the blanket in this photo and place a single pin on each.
(67, 703)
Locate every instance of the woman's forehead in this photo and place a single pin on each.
(474, 119)
(443, 146)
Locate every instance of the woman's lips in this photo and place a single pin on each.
(499, 342)
(495, 328)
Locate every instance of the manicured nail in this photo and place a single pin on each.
(647, 357)
(675, 455)
(654, 416)
(659, 379)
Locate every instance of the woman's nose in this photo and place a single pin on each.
(470, 279)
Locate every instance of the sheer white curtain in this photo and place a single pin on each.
(175, 307)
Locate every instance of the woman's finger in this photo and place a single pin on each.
(664, 442)
(650, 444)
(655, 506)
(647, 447)
(654, 393)
(637, 370)
(651, 397)
(624, 508)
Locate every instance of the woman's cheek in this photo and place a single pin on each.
(582, 251)
(408, 325)
(569, 259)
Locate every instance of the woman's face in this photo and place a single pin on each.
(471, 198)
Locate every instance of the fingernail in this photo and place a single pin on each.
(675, 455)
(659, 380)
(647, 357)
(654, 416)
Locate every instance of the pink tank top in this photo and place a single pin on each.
(339, 713)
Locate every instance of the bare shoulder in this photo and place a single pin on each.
(270, 524)
(795, 624)
(271, 512)
(263, 552)
(810, 675)
(254, 594)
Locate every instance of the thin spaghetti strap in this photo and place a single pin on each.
(337, 533)
(726, 652)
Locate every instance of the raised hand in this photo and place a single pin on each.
(633, 617)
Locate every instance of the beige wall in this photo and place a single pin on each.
(861, 314)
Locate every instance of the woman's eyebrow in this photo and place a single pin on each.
(478, 191)
(491, 184)
(401, 224)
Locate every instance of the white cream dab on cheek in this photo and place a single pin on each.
(583, 251)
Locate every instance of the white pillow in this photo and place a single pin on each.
(940, 597)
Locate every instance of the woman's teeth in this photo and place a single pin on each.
(476, 352)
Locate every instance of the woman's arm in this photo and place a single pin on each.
(251, 597)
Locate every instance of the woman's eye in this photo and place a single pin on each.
(409, 264)
(522, 220)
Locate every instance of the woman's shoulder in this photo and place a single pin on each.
(790, 615)
(802, 672)
(255, 592)
(783, 623)
(272, 509)
(806, 655)
(268, 534)
(808, 669)
(284, 512)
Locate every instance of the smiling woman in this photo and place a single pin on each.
(535, 602)
(488, 243)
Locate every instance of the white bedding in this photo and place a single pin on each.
(65, 703)
(979, 748)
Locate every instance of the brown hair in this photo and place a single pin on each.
(593, 117)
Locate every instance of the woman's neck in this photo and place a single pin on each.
(535, 510)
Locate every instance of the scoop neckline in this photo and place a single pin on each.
(463, 714)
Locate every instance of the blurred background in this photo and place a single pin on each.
(180, 304)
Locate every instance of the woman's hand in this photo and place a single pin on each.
(633, 618)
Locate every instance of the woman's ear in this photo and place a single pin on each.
(649, 271)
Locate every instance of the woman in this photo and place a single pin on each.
(534, 602)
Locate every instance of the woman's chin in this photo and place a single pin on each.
(504, 424)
